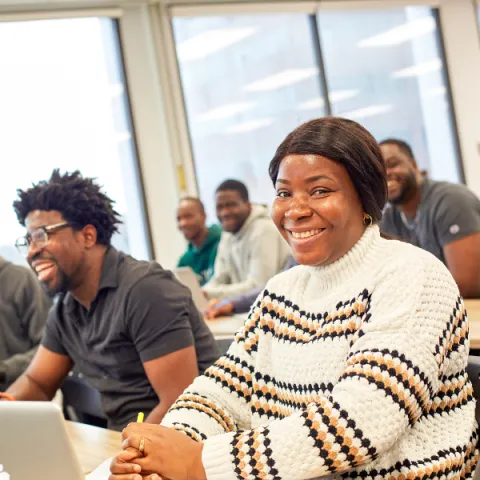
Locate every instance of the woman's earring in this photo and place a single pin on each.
(367, 219)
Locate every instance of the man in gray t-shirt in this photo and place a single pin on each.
(128, 326)
(441, 217)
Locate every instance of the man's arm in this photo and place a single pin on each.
(463, 261)
(170, 376)
(32, 305)
(158, 310)
(43, 377)
(457, 224)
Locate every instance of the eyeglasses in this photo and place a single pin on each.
(39, 237)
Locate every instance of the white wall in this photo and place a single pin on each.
(462, 47)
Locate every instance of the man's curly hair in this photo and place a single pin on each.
(80, 201)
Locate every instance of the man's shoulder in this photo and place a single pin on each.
(446, 192)
(133, 272)
(13, 274)
(215, 231)
(262, 226)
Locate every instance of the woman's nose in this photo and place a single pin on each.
(299, 207)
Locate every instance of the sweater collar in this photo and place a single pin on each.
(357, 260)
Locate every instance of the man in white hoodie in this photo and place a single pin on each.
(251, 250)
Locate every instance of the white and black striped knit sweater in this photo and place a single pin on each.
(356, 369)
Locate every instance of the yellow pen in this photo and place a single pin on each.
(140, 417)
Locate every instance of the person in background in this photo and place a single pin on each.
(202, 240)
(441, 217)
(24, 309)
(252, 252)
(351, 365)
(128, 326)
(241, 303)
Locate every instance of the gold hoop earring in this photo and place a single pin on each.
(367, 219)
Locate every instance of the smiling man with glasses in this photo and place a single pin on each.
(128, 326)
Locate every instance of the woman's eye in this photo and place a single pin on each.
(320, 191)
(282, 194)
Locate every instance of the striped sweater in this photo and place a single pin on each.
(356, 369)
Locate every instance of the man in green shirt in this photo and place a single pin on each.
(202, 240)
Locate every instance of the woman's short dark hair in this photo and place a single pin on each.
(347, 143)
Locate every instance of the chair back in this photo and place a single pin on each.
(81, 397)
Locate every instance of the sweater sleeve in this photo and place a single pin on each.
(392, 370)
(218, 401)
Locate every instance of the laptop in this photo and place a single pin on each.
(34, 443)
(187, 276)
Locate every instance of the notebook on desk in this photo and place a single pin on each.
(34, 443)
(187, 276)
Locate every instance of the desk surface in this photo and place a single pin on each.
(93, 445)
(226, 327)
(473, 311)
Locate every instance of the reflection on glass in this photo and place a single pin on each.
(63, 105)
(247, 81)
(391, 61)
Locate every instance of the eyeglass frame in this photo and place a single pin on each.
(28, 238)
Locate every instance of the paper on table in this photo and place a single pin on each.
(102, 472)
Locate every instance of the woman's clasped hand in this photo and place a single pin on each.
(167, 454)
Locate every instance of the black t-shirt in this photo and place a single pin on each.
(141, 312)
(447, 212)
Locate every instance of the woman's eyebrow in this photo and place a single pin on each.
(308, 180)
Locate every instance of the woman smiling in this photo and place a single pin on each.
(352, 363)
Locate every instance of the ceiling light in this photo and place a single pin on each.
(281, 79)
(402, 33)
(225, 111)
(436, 92)
(250, 126)
(334, 97)
(211, 41)
(366, 112)
(420, 69)
(313, 104)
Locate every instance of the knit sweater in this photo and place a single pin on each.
(355, 369)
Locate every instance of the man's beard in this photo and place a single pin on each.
(407, 191)
(61, 286)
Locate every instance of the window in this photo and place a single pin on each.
(248, 81)
(64, 105)
(391, 63)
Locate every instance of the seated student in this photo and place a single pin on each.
(351, 365)
(128, 326)
(24, 309)
(202, 240)
(441, 217)
(240, 303)
(252, 253)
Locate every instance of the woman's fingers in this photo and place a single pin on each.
(132, 442)
(129, 454)
(121, 464)
(134, 476)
